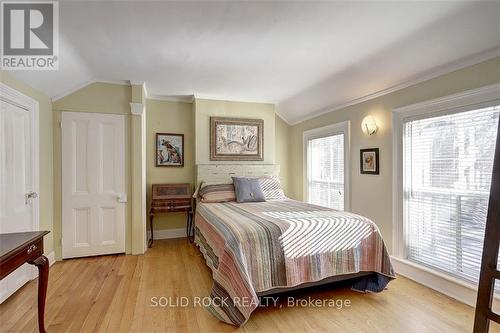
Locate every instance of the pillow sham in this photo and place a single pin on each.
(248, 189)
(271, 187)
(217, 193)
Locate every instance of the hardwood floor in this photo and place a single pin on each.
(113, 293)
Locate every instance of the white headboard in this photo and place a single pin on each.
(222, 173)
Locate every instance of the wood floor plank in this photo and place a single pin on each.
(120, 307)
(114, 294)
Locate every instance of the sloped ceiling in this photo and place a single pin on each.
(305, 57)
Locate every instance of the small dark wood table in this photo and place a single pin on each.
(26, 247)
(171, 198)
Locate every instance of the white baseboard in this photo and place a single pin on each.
(461, 291)
(168, 233)
(52, 258)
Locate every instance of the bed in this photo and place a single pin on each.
(262, 248)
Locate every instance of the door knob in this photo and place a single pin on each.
(30, 195)
(121, 197)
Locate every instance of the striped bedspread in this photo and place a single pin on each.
(254, 247)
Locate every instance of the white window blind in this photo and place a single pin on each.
(448, 163)
(326, 171)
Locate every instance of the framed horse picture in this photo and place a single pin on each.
(169, 150)
(236, 139)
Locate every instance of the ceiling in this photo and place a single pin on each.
(306, 57)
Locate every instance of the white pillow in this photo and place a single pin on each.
(271, 187)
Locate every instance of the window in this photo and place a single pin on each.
(326, 166)
(447, 168)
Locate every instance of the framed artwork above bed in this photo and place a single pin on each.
(236, 139)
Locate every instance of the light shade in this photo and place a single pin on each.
(369, 125)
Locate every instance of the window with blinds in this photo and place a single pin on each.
(326, 171)
(448, 163)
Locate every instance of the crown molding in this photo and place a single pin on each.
(231, 99)
(118, 82)
(439, 71)
(281, 116)
(136, 82)
(479, 95)
(137, 108)
(172, 98)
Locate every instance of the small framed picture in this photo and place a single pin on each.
(169, 150)
(369, 161)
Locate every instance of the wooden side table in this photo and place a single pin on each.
(171, 198)
(21, 247)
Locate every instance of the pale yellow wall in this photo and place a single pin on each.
(169, 117)
(45, 132)
(282, 149)
(206, 108)
(371, 195)
(96, 98)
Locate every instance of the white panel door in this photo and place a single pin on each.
(93, 182)
(17, 199)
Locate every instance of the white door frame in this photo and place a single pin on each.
(316, 133)
(16, 98)
(27, 103)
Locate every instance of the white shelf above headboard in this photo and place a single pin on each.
(222, 173)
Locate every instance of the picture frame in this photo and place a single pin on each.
(236, 139)
(169, 150)
(369, 161)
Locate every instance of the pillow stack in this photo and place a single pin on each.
(243, 189)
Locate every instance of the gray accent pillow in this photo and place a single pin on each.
(248, 189)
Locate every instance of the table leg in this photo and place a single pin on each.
(191, 229)
(187, 224)
(42, 263)
(151, 216)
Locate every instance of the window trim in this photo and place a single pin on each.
(464, 101)
(432, 278)
(321, 132)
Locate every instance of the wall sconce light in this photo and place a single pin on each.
(369, 125)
